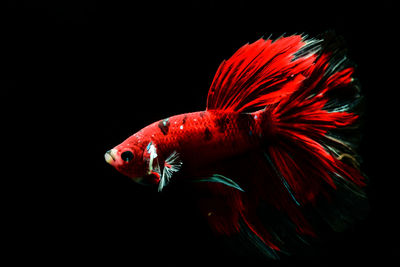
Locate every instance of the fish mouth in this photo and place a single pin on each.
(109, 156)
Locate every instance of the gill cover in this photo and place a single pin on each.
(150, 157)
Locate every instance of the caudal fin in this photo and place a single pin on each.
(306, 88)
(317, 126)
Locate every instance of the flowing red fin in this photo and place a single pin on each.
(309, 154)
(261, 73)
(305, 120)
(234, 212)
(221, 206)
(314, 132)
(229, 212)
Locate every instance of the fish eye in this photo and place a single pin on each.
(127, 156)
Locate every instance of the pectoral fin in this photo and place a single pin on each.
(171, 165)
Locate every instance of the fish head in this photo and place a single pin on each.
(136, 159)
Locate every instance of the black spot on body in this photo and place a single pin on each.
(207, 135)
(184, 119)
(164, 126)
(221, 124)
(251, 122)
(242, 123)
(246, 124)
(202, 114)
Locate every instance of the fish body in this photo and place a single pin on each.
(200, 138)
(275, 133)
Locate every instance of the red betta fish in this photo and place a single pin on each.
(277, 138)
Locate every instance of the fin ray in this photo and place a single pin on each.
(172, 165)
(261, 73)
(218, 178)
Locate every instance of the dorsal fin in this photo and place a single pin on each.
(261, 73)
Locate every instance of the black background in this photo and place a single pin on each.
(81, 76)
